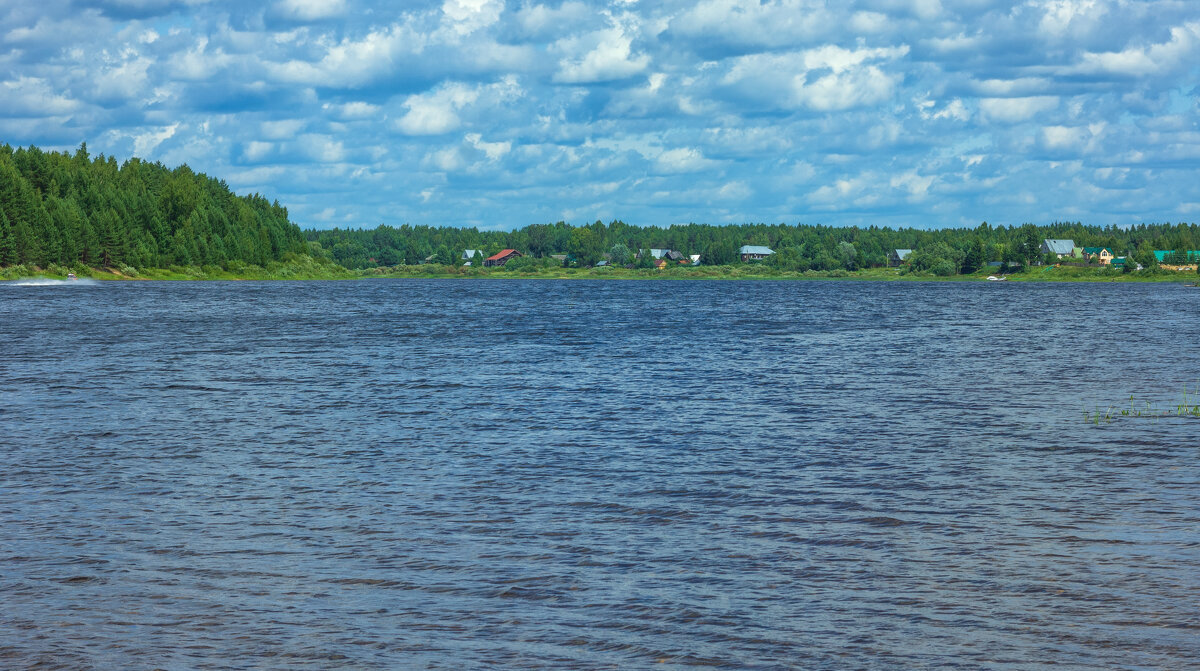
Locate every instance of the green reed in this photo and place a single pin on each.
(1188, 406)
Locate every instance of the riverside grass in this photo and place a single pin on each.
(297, 267)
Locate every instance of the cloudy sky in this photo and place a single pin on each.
(500, 114)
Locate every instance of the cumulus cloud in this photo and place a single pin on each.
(437, 111)
(34, 97)
(1183, 47)
(716, 26)
(826, 78)
(600, 56)
(1013, 110)
(310, 10)
(919, 111)
(468, 16)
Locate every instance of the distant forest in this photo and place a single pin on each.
(797, 247)
(68, 209)
(75, 209)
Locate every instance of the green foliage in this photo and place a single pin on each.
(799, 248)
(59, 208)
(620, 254)
(584, 246)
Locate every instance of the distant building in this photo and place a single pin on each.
(469, 254)
(898, 256)
(754, 253)
(1103, 255)
(695, 259)
(658, 253)
(1059, 248)
(501, 257)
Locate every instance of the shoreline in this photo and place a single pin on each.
(319, 272)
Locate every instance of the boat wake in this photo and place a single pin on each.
(44, 282)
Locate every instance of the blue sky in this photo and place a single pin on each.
(498, 114)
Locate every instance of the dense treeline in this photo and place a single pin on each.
(64, 209)
(798, 247)
(75, 210)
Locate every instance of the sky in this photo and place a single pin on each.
(926, 113)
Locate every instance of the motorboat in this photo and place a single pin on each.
(71, 276)
(993, 278)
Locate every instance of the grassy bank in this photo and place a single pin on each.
(307, 268)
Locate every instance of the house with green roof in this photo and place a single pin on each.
(1103, 255)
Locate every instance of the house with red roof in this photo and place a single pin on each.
(501, 257)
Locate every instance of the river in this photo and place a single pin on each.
(590, 474)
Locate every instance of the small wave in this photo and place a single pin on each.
(46, 282)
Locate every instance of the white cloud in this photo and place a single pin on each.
(773, 23)
(1013, 110)
(311, 10)
(282, 129)
(681, 160)
(843, 79)
(606, 55)
(322, 148)
(198, 63)
(493, 150)
(256, 150)
(145, 143)
(954, 110)
(468, 16)
(354, 62)
(1062, 15)
(840, 91)
(436, 112)
(759, 109)
(34, 97)
(540, 20)
(916, 185)
(1182, 48)
(354, 111)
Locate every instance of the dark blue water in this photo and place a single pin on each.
(539, 474)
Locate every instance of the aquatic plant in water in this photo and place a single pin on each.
(1188, 406)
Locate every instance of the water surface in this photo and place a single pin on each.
(523, 474)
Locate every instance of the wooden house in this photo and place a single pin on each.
(1059, 248)
(501, 257)
(898, 256)
(1103, 255)
(754, 253)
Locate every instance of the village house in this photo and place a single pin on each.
(469, 254)
(1103, 255)
(1059, 248)
(754, 253)
(501, 257)
(898, 256)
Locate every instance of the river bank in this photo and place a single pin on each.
(312, 269)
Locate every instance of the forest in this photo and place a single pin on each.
(74, 210)
(798, 247)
